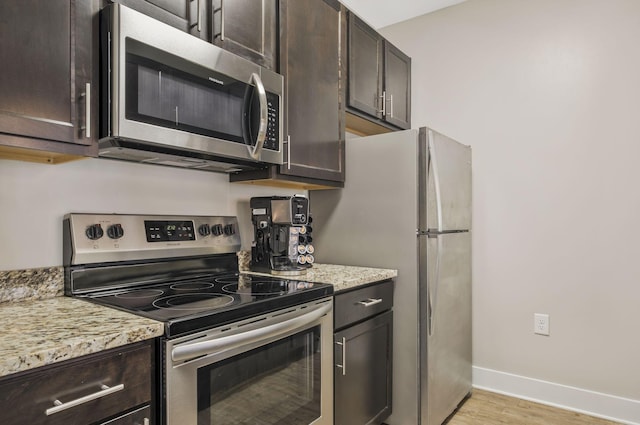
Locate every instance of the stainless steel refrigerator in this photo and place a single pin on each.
(406, 205)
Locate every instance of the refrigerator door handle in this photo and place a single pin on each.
(433, 157)
(432, 300)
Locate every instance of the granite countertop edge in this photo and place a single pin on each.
(43, 332)
(342, 277)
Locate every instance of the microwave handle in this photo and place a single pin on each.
(262, 129)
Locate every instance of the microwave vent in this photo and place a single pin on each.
(125, 150)
(128, 155)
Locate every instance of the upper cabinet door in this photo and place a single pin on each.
(379, 89)
(248, 28)
(186, 15)
(47, 75)
(312, 46)
(397, 83)
(365, 67)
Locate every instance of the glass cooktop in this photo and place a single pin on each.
(191, 305)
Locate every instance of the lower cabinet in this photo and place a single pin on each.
(137, 417)
(363, 343)
(111, 387)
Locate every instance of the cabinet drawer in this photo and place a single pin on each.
(356, 305)
(92, 388)
(140, 416)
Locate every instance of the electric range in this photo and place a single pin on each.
(229, 337)
(180, 270)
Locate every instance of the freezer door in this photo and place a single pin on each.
(444, 183)
(445, 324)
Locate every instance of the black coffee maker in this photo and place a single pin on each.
(282, 235)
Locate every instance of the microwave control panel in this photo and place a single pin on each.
(273, 122)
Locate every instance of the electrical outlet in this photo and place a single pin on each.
(541, 324)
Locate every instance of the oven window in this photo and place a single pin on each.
(278, 383)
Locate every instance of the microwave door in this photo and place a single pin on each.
(255, 117)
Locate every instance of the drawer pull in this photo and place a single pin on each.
(60, 406)
(369, 302)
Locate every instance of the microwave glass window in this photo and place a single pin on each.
(165, 96)
(278, 383)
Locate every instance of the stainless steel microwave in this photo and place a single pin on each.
(170, 98)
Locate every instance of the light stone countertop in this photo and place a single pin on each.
(38, 332)
(341, 277)
(41, 332)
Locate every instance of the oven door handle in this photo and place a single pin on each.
(204, 348)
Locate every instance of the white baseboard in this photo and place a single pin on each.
(605, 406)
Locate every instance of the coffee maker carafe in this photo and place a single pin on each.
(282, 235)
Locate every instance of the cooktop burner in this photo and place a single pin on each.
(191, 286)
(140, 293)
(193, 302)
(259, 286)
(213, 300)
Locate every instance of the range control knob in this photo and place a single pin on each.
(229, 230)
(115, 231)
(216, 229)
(94, 232)
(204, 230)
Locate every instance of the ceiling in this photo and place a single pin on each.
(380, 13)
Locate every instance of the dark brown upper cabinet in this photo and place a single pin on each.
(48, 79)
(312, 61)
(248, 28)
(190, 16)
(379, 88)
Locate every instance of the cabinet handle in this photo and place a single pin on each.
(288, 142)
(221, 10)
(343, 366)
(87, 110)
(105, 390)
(146, 421)
(383, 111)
(369, 302)
(390, 106)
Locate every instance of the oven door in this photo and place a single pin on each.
(272, 369)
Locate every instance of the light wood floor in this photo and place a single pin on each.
(486, 408)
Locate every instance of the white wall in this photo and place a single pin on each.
(35, 197)
(547, 93)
